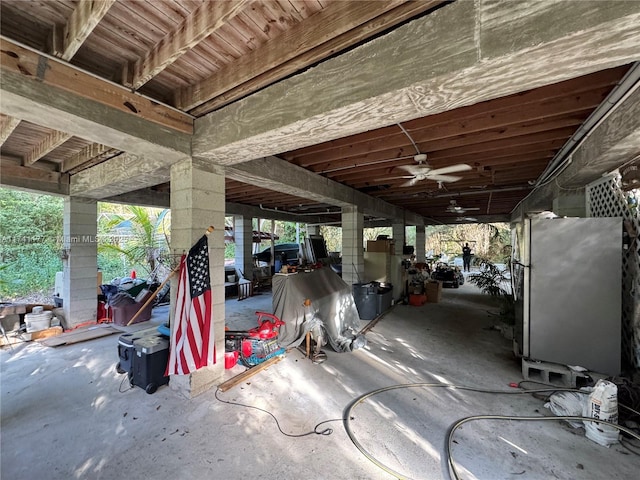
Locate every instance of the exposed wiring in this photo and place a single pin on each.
(409, 137)
(315, 431)
(452, 429)
(351, 406)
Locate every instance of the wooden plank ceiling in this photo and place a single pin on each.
(200, 56)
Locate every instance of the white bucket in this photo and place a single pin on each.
(37, 321)
(231, 278)
(37, 310)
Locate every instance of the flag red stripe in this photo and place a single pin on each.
(192, 340)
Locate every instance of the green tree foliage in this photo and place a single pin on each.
(31, 239)
(140, 234)
(487, 240)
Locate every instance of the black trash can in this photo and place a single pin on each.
(384, 296)
(364, 295)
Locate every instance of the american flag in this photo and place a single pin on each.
(192, 343)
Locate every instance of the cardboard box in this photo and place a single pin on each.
(433, 289)
(381, 246)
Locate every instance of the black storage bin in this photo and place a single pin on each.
(150, 362)
(364, 295)
(383, 298)
(126, 352)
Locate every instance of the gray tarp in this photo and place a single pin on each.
(331, 302)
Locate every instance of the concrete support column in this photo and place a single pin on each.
(573, 204)
(243, 234)
(197, 201)
(352, 245)
(398, 234)
(421, 240)
(79, 291)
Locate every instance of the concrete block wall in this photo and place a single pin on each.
(352, 245)
(398, 234)
(80, 267)
(421, 239)
(243, 234)
(197, 202)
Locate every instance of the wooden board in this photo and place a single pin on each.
(46, 333)
(75, 336)
(248, 373)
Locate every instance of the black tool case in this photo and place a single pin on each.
(150, 362)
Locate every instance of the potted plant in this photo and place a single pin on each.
(496, 281)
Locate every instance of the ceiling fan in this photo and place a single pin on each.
(422, 171)
(455, 208)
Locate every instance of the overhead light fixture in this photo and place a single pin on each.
(630, 178)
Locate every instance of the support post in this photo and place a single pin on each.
(197, 201)
(80, 261)
(352, 245)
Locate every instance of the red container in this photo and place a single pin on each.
(230, 359)
(417, 300)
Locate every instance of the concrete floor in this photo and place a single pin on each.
(67, 414)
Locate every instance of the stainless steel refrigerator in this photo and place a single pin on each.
(568, 291)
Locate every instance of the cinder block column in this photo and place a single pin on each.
(352, 245)
(79, 291)
(398, 234)
(197, 201)
(421, 240)
(570, 205)
(243, 234)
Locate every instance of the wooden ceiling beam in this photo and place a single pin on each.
(336, 27)
(22, 67)
(7, 126)
(209, 17)
(68, 39)
(565, 112)
(87, 157)
(536, 103)
(46, 145)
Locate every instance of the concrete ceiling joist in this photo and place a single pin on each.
(453, 57)
(152, 198)
(276, 174)
(613, 142)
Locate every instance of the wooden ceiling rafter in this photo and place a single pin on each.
(436, 136)
(28, 64)
(52, 141)
(7, 126)
(84, 156)
(67, 39)
(201, 23)
(338, 26)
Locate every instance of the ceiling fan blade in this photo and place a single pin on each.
(442, 178)
(460, 167)
(415, 169)
(393, 178)
(411, 182)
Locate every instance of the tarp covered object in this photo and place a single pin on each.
(331, 302)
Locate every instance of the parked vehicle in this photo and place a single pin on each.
(291, 251)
